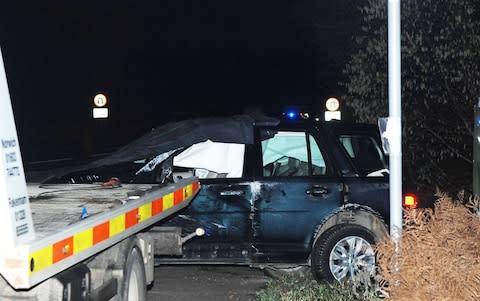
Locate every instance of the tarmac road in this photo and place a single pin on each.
(206, 283)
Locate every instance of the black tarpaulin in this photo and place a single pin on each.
(181, 134)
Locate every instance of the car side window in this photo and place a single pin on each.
(365, 154)
(318, 163)
(285, 153)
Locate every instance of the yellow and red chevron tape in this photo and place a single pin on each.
(83, 240)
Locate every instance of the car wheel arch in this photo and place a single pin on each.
(356, 215)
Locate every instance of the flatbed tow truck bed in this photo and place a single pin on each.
(72, 203)
(75, 221)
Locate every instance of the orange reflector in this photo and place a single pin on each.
(410, 200)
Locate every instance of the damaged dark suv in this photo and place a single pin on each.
(273, 192)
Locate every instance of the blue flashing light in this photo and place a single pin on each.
(477, 121)
(292, 115)
(295, 115)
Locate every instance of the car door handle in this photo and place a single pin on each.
(231, 192)
(317, 190)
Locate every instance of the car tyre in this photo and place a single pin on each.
(344, 252)
(134, 286)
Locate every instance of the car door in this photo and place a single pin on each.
(222, 207)
(369, 185)
(297, 189)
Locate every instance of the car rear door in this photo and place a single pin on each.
(369, 183)
(296, 189)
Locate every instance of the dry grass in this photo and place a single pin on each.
(439, 254)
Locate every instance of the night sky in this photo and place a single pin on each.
(159, 61)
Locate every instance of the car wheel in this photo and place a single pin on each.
(344, 253)
(134, 284)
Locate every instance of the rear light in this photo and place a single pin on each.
(410, 200)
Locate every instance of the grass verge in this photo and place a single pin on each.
(295, 288)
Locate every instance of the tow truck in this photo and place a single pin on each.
(80, 242)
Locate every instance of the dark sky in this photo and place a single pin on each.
(163, 60)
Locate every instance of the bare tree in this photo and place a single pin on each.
(440, 85)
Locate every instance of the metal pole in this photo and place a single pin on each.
(394, 110)
(476, 151)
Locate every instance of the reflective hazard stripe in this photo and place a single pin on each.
(167, 201)
(144, 212)
(101, 232)
(42, 259)
(85, 239)
(117, 225)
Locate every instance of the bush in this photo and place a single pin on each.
(439, 253)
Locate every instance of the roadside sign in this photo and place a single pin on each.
(333, 115)
(100, 100)
(332, 104)
(100, 113)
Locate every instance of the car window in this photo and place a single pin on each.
(365, 154)
(318, 164)
(286, 154)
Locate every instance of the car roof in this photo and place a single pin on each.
(344, 126)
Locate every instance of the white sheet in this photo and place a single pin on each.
(214, 156)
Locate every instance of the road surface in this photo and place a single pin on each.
(206, 283)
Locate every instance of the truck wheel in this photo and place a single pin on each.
(344, 253)
(134, 287)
